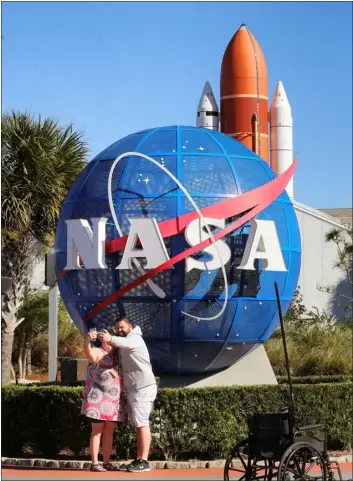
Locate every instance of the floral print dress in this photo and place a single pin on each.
(103, 389)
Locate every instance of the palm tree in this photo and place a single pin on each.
(34, 312)
(40, 160)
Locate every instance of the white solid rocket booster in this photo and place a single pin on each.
(281, 132)
(207, 111)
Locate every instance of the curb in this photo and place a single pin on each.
(54, 464)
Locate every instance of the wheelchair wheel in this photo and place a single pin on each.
(238, 467)
(301, 461)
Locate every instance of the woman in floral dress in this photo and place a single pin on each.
(102, 399)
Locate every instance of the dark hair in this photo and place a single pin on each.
(96, 343)
(125, 319)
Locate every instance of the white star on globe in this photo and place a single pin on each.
(201, 148)
(146, 180)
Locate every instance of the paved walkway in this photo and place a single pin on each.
(78, 475)
(211, 474)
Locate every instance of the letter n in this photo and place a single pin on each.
(86, 243)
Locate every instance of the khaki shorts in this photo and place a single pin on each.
(140, 405)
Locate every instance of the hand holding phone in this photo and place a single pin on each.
(92, 334)
(104, 335)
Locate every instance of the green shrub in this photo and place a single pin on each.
(312, 351)
(318, 343)
(186, 423)
(314, 379)
(44, 419)
(280, 380)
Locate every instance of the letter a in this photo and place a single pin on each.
(263, 244)
(153, 249)
(87, 243)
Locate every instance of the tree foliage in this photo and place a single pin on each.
(70, 340)
(32, 334)
(344, 248)
(344, 245)
(39, 161)
(296, 309)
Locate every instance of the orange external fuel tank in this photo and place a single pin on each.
(244, 92)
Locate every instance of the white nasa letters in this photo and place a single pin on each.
(263, 244)
(86, 242)
(196, 233)
(153, 248)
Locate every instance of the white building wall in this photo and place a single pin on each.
(38, 275)
(318, 259)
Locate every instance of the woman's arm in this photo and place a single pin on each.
(93, 354)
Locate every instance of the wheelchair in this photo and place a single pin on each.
(276, 448)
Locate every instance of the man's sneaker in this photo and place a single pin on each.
(125, 467)
(140, 466)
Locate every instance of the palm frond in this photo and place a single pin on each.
(40, 161)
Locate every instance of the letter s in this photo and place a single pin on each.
(196, 233)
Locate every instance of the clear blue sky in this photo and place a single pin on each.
(116, 68)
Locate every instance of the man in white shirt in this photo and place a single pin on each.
(139, 383)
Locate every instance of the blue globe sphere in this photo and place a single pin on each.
(212, 167)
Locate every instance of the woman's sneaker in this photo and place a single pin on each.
(139, 466)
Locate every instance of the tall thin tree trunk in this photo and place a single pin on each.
(6, 355)
(19, 362)
(9, 322)
(29, 361)
(15, 265)
(24, 364)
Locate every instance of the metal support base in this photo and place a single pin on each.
(253, 368)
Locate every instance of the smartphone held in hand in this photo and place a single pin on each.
(94, 334)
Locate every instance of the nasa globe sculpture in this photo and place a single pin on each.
(217, 229)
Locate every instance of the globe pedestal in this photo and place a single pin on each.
(253, 368)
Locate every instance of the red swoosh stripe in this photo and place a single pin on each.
(224, 209)
(256, 200)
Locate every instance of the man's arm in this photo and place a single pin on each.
(130, 342)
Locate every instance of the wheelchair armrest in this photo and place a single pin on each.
(311, 428)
